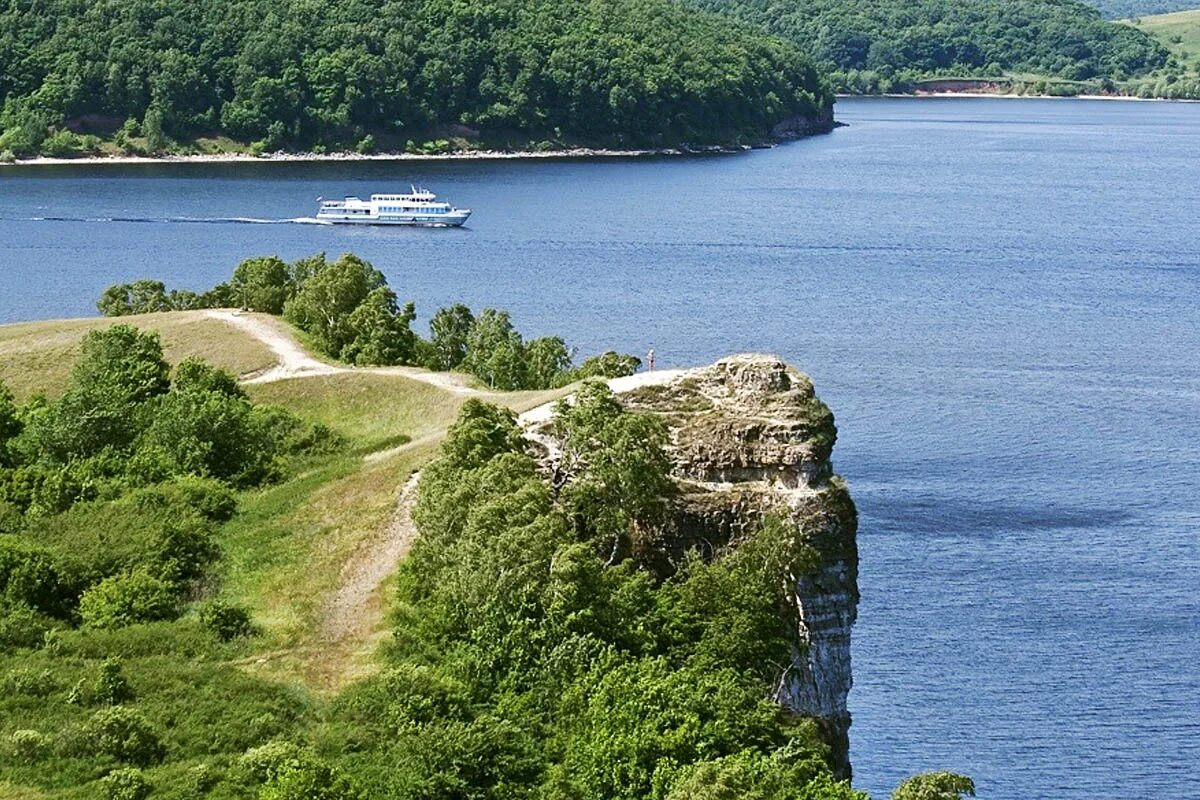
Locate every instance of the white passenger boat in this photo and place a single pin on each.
(418, 207)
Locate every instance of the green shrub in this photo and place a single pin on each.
(29, 746)
(403, 697)
(11, 518)
(183, 550)
(7, 156)
(935, 786)
(202, 778)
(288, 772)
(123, 734)
(78, 695)
(227, 622)
(22, 626)
(261, 764)
(197, 375)
(61, 144)
(125, 784)
(608, 365)
(205, 433)
(126, 599)
(292, 435)
(30, 682)
(208, 497)
(312, 780)
(785, 774)
(112, 688)
(28, 577)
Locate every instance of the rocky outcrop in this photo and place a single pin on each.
(800, 126)
(749, 438)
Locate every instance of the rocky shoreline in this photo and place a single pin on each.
(468, 155)
(784, 131)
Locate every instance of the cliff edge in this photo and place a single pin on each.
(749, 439)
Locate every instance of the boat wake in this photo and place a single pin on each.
(182, 220)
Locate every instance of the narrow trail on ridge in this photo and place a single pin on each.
(354, 611)
(352, 614)
(294, 362)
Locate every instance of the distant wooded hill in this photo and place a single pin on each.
(1128, 9)
(876, 45)
(366, 72)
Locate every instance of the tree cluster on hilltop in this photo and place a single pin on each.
(350, 313)
(368, 73)
(884, 45)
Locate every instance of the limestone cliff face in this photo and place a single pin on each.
(749, 438)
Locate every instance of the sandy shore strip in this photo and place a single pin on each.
(472, 155)
(1013, 96)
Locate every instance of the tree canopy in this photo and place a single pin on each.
(304, 75)
(899, 40)
(532, 658)
(351, 314)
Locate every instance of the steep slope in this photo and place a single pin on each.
(750, 439)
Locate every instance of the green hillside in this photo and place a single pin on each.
(151, 76)
(1180, 33)
(1126, 9)
(886, 45)
(206, 586)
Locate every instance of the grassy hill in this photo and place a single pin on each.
(284, 553)
(172, 628)
(39, 356)
(1127, 9)
(1178, 32)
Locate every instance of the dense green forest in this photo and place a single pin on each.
(387, 73)
(885, 45)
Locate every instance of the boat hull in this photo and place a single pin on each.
(452, 220)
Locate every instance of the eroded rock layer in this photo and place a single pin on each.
(749, 438)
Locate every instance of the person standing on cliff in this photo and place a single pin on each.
(650, 360)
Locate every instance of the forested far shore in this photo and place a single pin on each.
(424, 76)
(1054, 47)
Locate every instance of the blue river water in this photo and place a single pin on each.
(997, 297)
